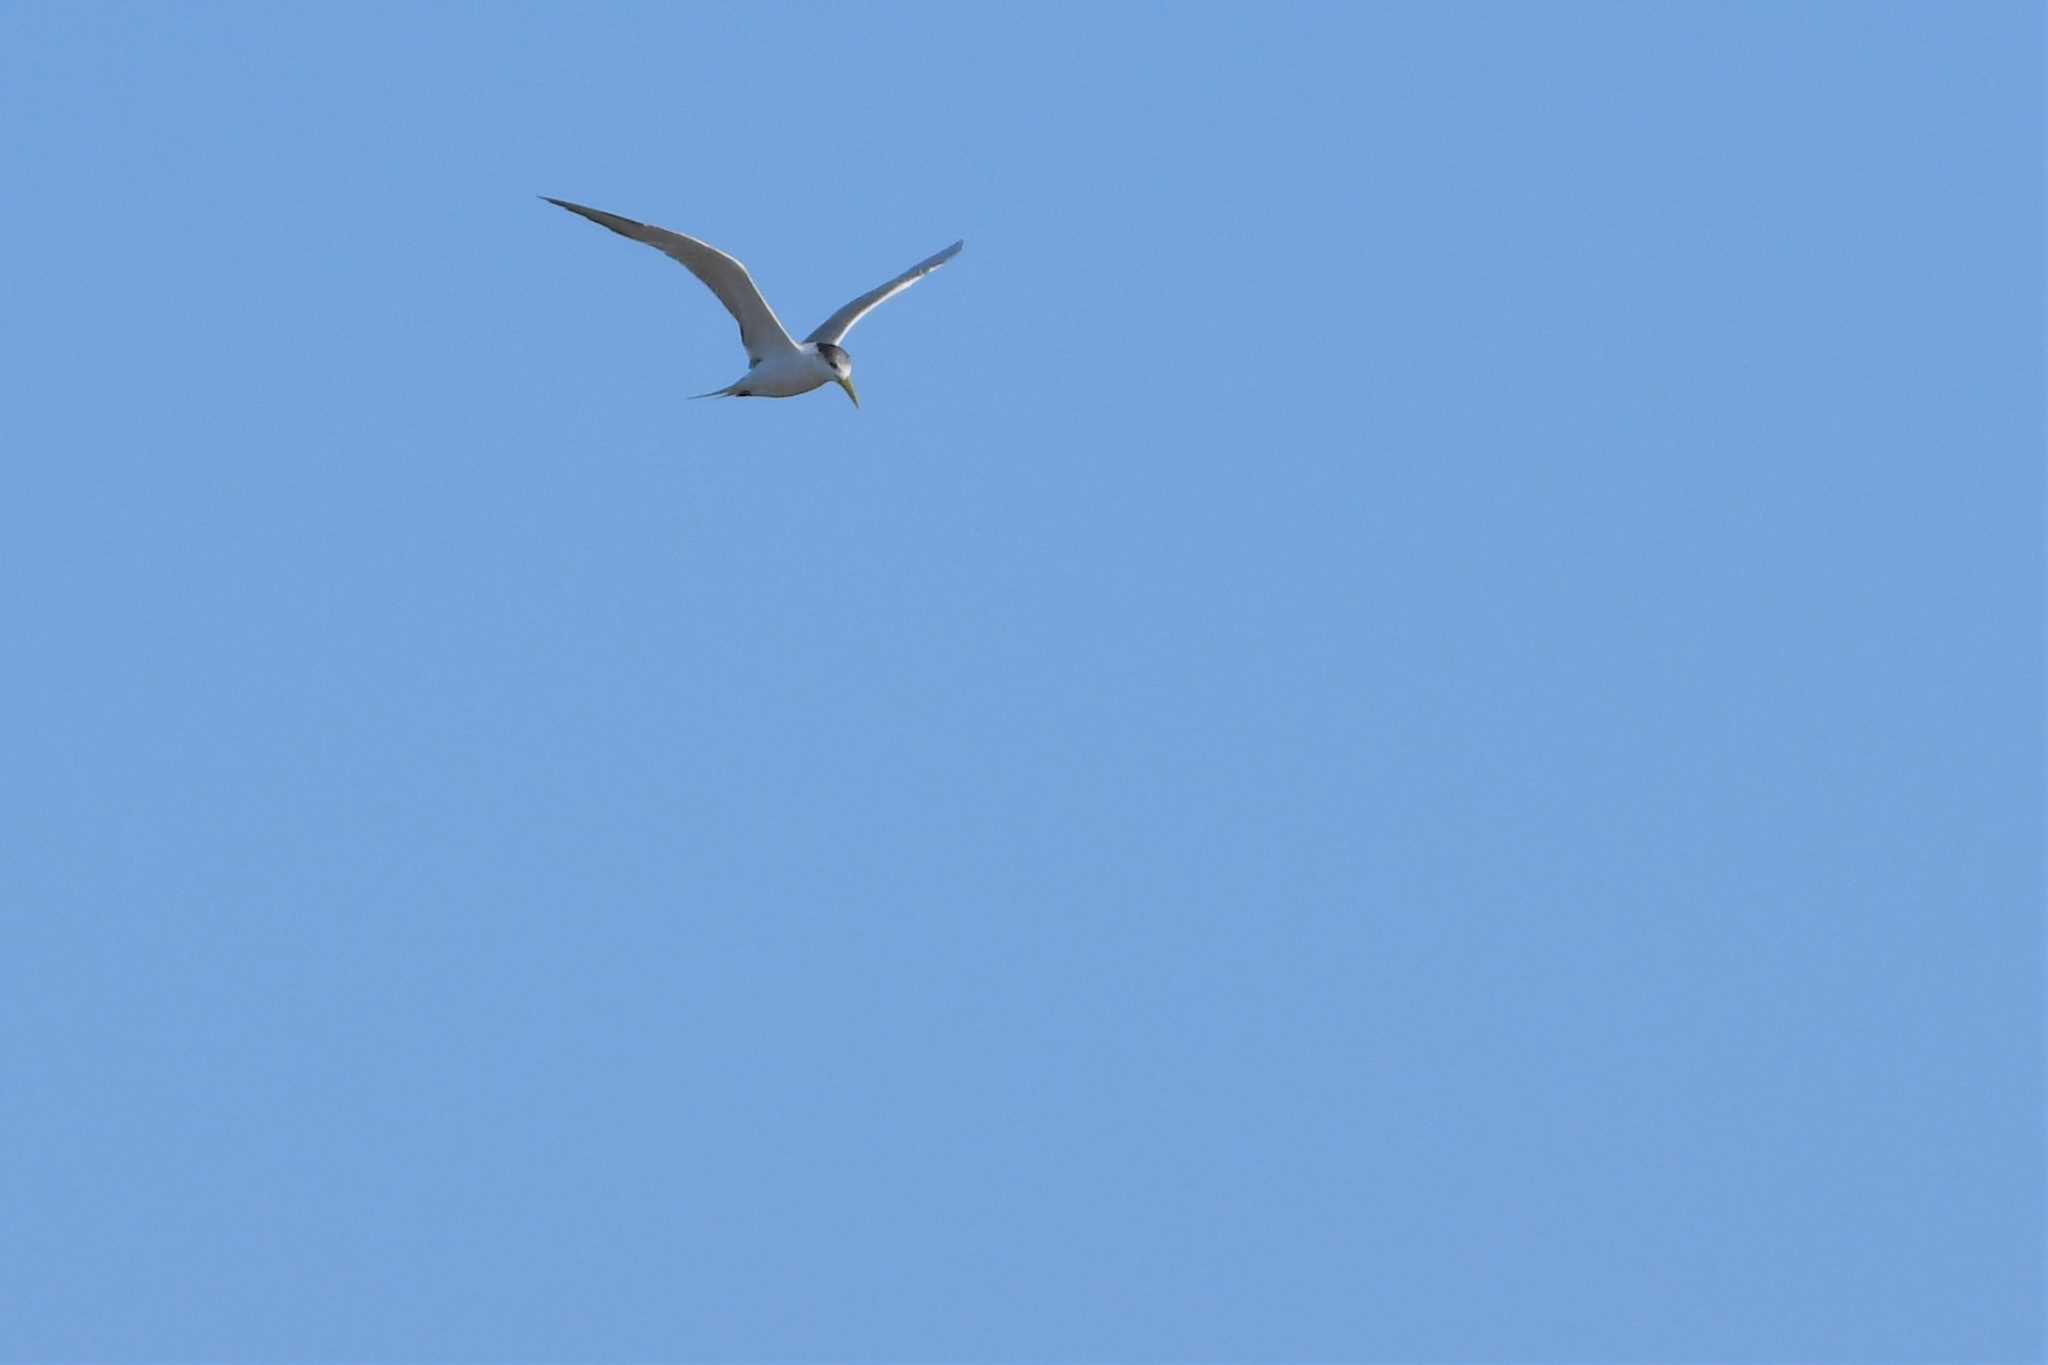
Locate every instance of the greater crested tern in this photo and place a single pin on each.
(777, 367)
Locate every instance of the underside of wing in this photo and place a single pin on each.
(761, 332)
(841, 322)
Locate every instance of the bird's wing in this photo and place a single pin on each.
(841, 322)
(761, 332)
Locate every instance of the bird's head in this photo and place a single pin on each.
(842, 368)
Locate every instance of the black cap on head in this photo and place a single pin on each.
(834, 356)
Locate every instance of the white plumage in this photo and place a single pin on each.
(777, 367)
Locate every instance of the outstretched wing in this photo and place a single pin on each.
(761, 332)
(841, 322)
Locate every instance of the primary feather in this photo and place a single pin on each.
(840, 323)
(761, 332)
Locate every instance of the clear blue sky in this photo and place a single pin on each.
(1408, 729)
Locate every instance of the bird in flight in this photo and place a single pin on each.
(777, 367)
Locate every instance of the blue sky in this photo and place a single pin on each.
(1408, 729)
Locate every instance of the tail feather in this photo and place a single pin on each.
(719, 393)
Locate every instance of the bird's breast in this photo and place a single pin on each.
(786, 376)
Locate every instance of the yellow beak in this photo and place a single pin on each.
(847, 384)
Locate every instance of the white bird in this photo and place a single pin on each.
(776, 366)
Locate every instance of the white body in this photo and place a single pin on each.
(784, 374)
